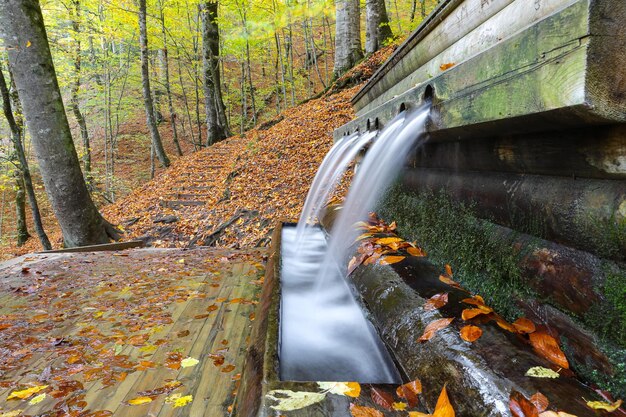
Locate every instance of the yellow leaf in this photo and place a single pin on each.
(187, 362)
(601, 405)
(388, 260)
(418, 414)
(13, 413)
(179, 401)
(140, 400)
(37, 399)
(28, 44)
(350, 389)
(399, 406)
(541, 372)
(181, 261)
(443, 407)
(293, 400)
(24, 394)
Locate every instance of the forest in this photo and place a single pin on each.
(144, 82)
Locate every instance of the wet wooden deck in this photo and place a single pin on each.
(102, 331)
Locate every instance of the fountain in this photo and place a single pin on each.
(521, 187)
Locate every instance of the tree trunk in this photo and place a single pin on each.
(24, 35)
(15, 125)
(166, 81)
(147, 94)
(377, 29)
(216, 130)
(80, 119)
(20, 210)
(347, 36)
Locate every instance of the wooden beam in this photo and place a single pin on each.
(104, 247)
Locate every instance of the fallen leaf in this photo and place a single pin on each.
(140, 400)
(476, 300)
(293, 400)
(188, 362)
(228, 368)
(418, 414)
(504, 324)
(388, 260)
(556, 414)
(13, 413)
(548, 347)
(28, 44)
(449, 281)
(382, 398)
(601, 405)
(399, 406)
(410, 391)
(416, 252)
(541, 372)
(436, 301)
(177, 400)
(446, 66)
(36, 400)
(434, 327)
(24, 394)
(471, 333)
(387, 240)
(443, 407)
(470, 313)
(183, 333)
(540, 401)
(350, 389)
(520, 406)
(523, 325)
(212, 307)
(362, 411)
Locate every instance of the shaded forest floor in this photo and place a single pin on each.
(231, 194)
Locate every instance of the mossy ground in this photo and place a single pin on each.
(488, 264)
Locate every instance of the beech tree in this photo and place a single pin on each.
(217, 129)
(157, 145)
(377, 29)
(348, 49)
(23, 32)
(24, 181)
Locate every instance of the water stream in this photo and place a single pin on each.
(324, 333)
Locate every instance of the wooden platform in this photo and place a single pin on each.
(166, 329)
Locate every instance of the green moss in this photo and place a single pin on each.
(450, 233)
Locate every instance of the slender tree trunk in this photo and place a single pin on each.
(377, 29)
(15, 125)
(22, 28)
(75, 15)
(347, 36)
(147, 95)
(20, 210)
(216, 131)
(186, 101)
(166, 81)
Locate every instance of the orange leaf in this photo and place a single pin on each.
(446, 66)
(228, 368)
(416, 251)
(409, 391)
(434, 327)
(212, 307)
(436, 301)
(388, 260)
(476, 300)
(523, 325)
(382, 398)
(419, 414)
(470, 313)
(388, 240)
(449, 270)
(443, 407)
(521, 407)
(547, 346)
(540, 402)
(504, 324)
(449, 281)
(361, 411)
(471, 333)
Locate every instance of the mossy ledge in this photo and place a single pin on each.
(488, 264)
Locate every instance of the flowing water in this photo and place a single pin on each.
(324, 333)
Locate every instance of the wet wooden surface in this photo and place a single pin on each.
(102, 329)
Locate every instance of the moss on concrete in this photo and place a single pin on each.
(451, 234)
